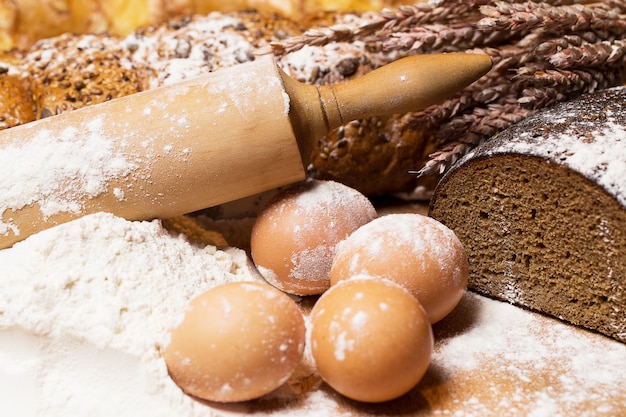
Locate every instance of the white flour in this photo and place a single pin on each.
(84, 308)
(58, 181)
(531, 365)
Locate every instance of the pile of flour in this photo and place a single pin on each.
(85, 308)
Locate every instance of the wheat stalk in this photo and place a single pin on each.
(543, 53)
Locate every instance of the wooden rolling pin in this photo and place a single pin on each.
(199, 143)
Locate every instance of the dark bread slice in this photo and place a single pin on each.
(541, 210)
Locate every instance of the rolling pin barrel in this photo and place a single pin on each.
(199, 143)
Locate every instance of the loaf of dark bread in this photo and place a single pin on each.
(541, 210)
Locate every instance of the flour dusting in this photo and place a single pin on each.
(94, 300)
(58, 171)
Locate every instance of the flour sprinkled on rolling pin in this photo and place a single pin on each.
(194, 144)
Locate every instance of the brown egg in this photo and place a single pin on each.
(294, 237)
(237, 341)
(370, 338)
(415, 251)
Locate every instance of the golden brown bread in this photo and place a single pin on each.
(70, 80)
(23, 22)
(17, 105)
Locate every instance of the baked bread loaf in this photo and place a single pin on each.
(541, 210)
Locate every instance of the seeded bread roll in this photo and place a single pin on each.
(541, 210)
(375, 155)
